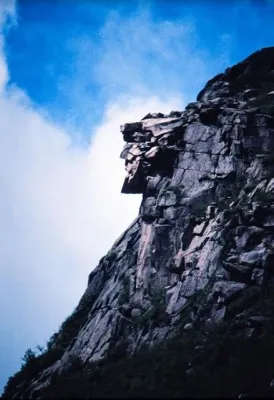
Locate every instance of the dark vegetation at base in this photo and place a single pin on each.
(224, 365)
(156, 314)
(35, 362)
(204, 362)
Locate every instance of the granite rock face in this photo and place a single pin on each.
(204, 237)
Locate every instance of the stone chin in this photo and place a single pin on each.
(151, 148)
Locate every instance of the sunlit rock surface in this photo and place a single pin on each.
(206, 221)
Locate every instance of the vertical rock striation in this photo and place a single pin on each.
(204, 237)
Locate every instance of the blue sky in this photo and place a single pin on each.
(71, 72)
(65, 49)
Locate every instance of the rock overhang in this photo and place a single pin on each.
(204, 233)
(230, 98)
(150, 148)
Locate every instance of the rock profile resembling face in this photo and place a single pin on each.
(150, 149)
(202, 247)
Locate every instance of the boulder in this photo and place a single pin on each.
(188, 326)
(209, 116)
(228, 289)
(238, 272)
(167, 199)
(131, 127)
(250, 94)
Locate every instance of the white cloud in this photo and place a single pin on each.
(7, 13)
(148, 55)
(61, 204)
(60, 210)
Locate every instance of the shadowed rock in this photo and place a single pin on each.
(204, 236)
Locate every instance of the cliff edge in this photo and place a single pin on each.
(201, 251)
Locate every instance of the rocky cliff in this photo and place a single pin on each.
(201, 250)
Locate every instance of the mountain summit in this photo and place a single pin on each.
(194, 270)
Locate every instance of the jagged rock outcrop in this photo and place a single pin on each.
(204, 238)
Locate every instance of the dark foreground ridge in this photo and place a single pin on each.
(182, 304)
